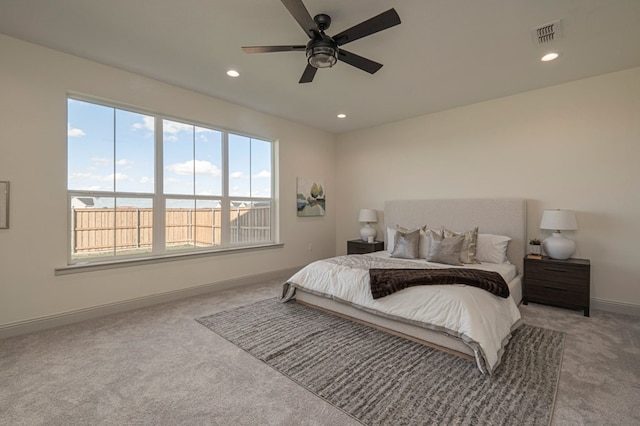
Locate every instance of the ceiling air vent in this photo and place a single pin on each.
(547, 33)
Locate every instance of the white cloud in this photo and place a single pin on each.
(261, 192)
(80, 176)
(172, 128)
(148, 123)
(237, 175)
(199, 166)
(263, 174)
(125, 163)
(176, 127)
(118, 177)
(92, 188)
(145, 179)
(100, 178)
(74, 132)
(99, 161)
(207, 135)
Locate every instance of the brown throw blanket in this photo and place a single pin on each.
(387, 281)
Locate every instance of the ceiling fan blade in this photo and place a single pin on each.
(300, 13)
(308, 74)
(377, 23)
(359, 62)
(267, 49)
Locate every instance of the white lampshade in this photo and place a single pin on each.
(557, 246)
(560, 220)
(368, 216)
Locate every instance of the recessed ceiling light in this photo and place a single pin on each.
(233, 73)
(549, 57)
(342, 115)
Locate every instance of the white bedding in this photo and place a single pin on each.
(482, 320)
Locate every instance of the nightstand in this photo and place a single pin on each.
(563, 283)
(362, 247)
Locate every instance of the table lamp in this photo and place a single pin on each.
(557, 246)
(368, 216)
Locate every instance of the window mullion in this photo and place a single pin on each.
(275, 195)
(159, 203)
(225, 205)
(115, 194)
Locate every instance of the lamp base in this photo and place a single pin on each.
(367, 231)
(558, 247)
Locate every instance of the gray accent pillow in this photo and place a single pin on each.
(469, 247)
(425, 241)
(406, 245)
(445, 250)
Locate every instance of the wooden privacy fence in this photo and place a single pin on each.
(130, 228)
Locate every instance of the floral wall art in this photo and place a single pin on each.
(311, 197)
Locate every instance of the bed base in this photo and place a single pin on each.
(411, 332)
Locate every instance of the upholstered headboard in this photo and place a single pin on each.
(502, 216)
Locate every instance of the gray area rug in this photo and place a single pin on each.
(381, 379)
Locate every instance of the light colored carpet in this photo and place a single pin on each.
(157, 366)
(382, 379)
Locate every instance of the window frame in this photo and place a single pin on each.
(159, 250)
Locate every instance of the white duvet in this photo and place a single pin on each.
(482, 320)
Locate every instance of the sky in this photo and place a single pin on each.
(192, 161)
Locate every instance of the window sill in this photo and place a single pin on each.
(125, 263)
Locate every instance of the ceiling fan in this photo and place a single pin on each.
(324, 51)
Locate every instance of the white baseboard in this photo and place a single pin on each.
(56, 320)
(616, 307)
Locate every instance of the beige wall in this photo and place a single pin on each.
(33, 87)
(573, 146)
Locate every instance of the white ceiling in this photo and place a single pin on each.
(446, 53)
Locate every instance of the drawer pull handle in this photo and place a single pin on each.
(554, 270)
(555, 288)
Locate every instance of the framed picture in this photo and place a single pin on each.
(4, 204)
(311, 197)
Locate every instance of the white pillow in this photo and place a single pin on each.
(492, 248)
(391, 238)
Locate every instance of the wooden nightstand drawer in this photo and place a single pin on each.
(544, 271)
(363, 247)
(556, 292)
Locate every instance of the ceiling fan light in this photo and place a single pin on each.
(322, 56)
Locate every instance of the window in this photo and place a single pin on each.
(143, 185)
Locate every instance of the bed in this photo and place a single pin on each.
(461, 319)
